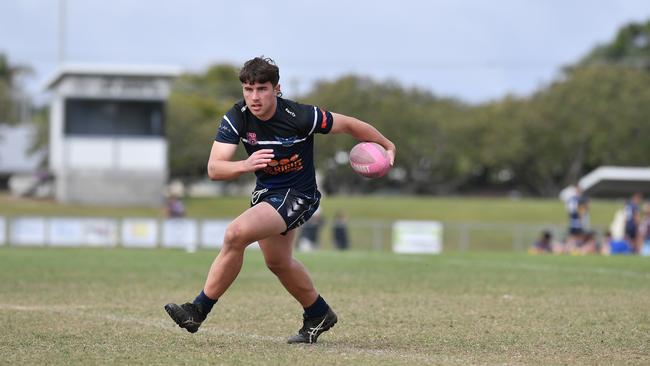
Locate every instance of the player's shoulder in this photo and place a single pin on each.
(295, 110)
(236, 113)
(239, 107)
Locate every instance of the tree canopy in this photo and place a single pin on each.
(591, 115)
(11, 98)
(595, 113)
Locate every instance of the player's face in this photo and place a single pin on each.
(260, 99)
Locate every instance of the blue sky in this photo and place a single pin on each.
(470, 49)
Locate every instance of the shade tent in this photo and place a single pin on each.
(616, 182)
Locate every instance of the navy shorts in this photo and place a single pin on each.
(631, 230)
(294, 206)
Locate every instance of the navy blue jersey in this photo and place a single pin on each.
(290, 133)
(631, 210)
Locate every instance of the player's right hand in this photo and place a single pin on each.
(258, 160)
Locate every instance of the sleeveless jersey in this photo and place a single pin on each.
(290, 133)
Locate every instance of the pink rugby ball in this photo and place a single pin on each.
(369, 159)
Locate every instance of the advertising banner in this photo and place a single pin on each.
(27, 231)
(212, 232)
(100, 232)
(65, 232)
(417, 237)
(180, 233)
(139, 233)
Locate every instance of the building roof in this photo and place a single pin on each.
(616, 181)
(167, 71)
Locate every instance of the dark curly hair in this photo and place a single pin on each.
(260, 70)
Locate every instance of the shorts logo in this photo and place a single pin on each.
(251, 137)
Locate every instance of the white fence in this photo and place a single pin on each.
(192, 234)
(136, 232)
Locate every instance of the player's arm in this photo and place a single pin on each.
(221, 166)
(362, 131)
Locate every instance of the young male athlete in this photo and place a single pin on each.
(278, 135)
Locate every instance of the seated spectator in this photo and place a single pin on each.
(174, 207)
(544, 244)
(588, 245)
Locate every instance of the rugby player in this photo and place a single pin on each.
(278, 135)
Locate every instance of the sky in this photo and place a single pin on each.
(472, 50)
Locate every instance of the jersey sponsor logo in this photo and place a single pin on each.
(292, 164)
(251, 137)
(287, 141)
(290, 112)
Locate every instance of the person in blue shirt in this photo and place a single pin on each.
(278, 135)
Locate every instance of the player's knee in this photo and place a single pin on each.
(278, 266)
(234, 237)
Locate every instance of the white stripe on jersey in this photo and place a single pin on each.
(273, 142)
(313, 127)
(230, 123)
(315, 120)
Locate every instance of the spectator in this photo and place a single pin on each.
(544, 244)
(588, 245)
(309, 235)
(644, 230)
(340, 230)
(174, 207)
(577, 207)
(632, 220)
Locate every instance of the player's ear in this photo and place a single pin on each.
(278, 90)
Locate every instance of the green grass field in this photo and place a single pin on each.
(96, 306)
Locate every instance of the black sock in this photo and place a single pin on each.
(318, 308)
(205, 302)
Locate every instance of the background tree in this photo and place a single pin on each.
(538, 144)
(194, 111)
(12, 100)
(630, 47)
(415, 120)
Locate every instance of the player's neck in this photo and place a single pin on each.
(271, 112)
